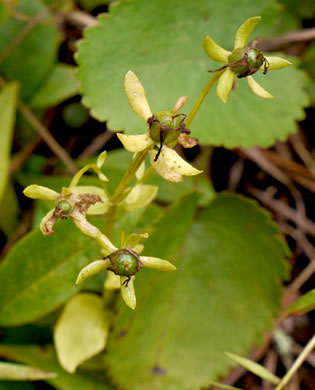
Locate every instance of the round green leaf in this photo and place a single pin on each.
(61, 85)
(222, 297)
(162, 43)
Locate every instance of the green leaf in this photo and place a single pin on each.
(255, 368)
(8, 100)
(45, 358)
(32, 59)
(9, 210)
(223, 296)
(170, 62)
(303, 305)
(81, 330)
(61, 85)
(11, 371)
(44, 271)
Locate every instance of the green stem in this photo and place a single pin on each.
(201, 98)
(127, 179)
(308, 348)
(146, 176)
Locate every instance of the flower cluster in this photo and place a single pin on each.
(124, 264)
(76, 202)
(166, 128)
(243, 61)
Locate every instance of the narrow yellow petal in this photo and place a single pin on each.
(244, 32)
(257, 89)
(136, 96)
(171, 166)
(112, 281)
(43, 227)
(156, 263)
(91, 269)
(136, 143)
(38, 192)
(128, 292)
(214, 51)
(77, 177)
(276, 63)
(225, 84)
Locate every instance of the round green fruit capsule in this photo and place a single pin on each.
(64, 206)
(166, 126)
(236, 56)
(255, 58)
(125, 264)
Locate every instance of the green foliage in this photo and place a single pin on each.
(61, 85)
(44, 271)
(45, 359)
(9, 210)
(303, 305)
(8, 101)
(30, 61)
(170, 62)
(222, 296)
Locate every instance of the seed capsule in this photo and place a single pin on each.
(64, 207)
(125, 262)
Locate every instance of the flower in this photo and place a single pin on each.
(75, 202)
(124, 263)
(242, 62)
(165, 128)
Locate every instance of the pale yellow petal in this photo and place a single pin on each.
(136, 96)
(244, 32)
(225, 85)
(140, 196)
(38, 192)
(171, 166)
(133, 239)
(156, 263)
(42, 225)
(257, 89)
(76, 178)
(128, 292)
(136, 143)
(276, 63)
(92, 269)
(214, 51)
(101, 159)
(112, 281)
